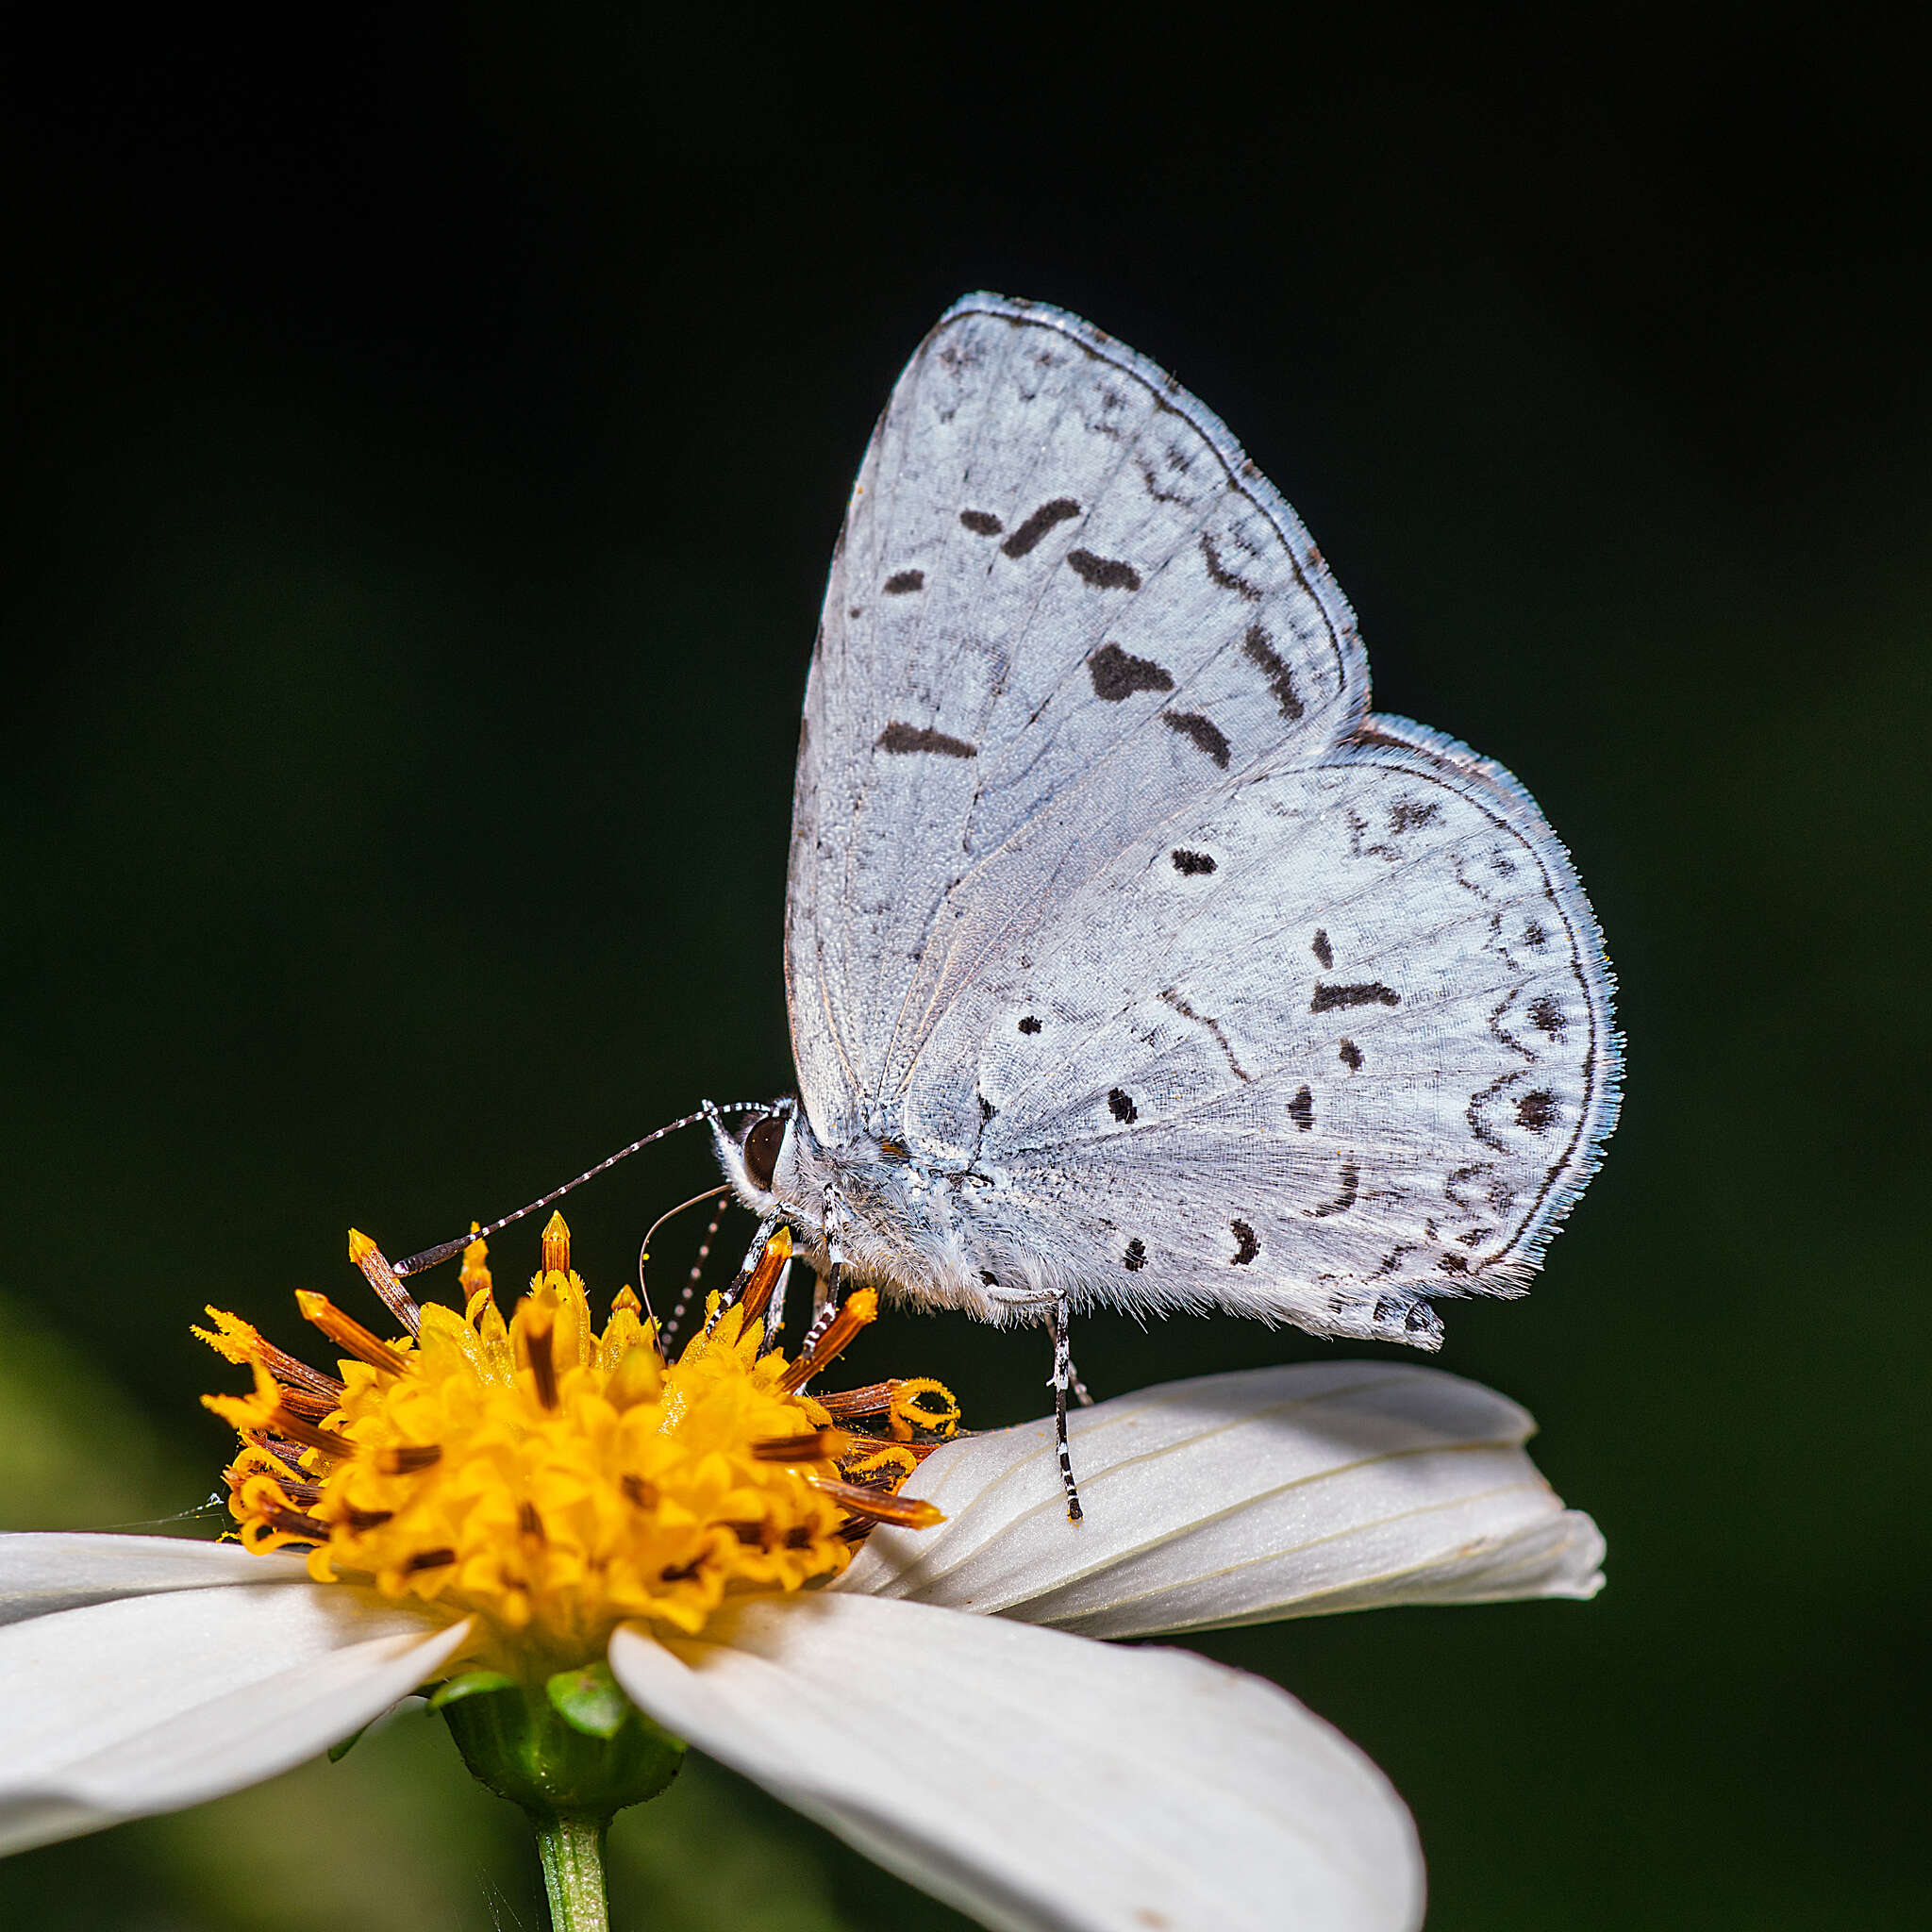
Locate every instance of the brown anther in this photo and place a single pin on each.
(363, 1521)
(816, 1445)
(681, 1573)
(864, 1444)
(302, 1496)
(875, 1398)
(346, 1332)
(287, 1367)
(300, 1430)
(314, 1406)
(538, 1339)
(643, 1494)
(861, 1308)
(754, 1536)
(798, 1537)
(764, 1276)
(625, 1302)
(407, 1458)
(385, 1281)
(292, 1523)
(557, 1246)
(287, 1453)
(428, 1559)
(529, 1522)
(903, 1512)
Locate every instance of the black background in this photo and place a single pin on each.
(429, 432)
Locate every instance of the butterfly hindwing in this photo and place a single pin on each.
(1339, 1038)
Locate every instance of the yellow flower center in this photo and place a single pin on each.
(556, 1480)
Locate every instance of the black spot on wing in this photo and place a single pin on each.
(1135, 1258)
(1120, 1105)
(911, 737)
(1407, 813)
(1222, 576)
(1193, 865)
(1104, 573)
(1117, 676)
(902, 581)
(1322, 949)
(982, 522)
(1257, 650)
(1350, 1055)
(1350, 1181)
(1301, 1110)
(1537, 1112)
(1247, 1246)
(1373, 993)
(1029, 1024)
(1029, 533)
(1549, 1018)
(1201, 731)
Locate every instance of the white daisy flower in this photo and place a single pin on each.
(497, 1506)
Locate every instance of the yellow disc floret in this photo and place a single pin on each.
(556, 1480)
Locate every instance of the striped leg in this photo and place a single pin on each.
(1064, 1378)
(832, 1282)
(744, 1274)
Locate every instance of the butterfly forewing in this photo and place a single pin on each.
(1063, 602)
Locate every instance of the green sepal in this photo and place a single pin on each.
(468, 1685)
(524, 1747)
(589, 1700)
(342, 1747)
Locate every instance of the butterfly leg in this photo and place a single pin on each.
(752, 1253)
(1064, 1378)
(832, 1282)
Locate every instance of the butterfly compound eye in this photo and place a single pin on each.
(761, 1145)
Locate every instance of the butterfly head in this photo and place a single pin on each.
(757, 1154)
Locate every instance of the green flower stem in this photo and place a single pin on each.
(572, 1751)
(572, 1848)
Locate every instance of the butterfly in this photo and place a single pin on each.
(1132, 961)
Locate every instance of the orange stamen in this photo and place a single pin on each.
(347, 1332)
(385, 1281)
(299, 1429)
(875, 1505)
(860, 1309)
(815, 1445)
(764, 1277)
(875, 1398)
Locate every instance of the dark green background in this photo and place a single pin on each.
(429, 435)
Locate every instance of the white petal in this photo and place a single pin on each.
(156, 1701)
(48, 1571)
(1235, 1499)
(1036, 1780)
